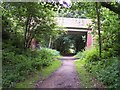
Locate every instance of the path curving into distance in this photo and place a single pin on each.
(65, 77)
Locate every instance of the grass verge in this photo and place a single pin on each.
(87, 79)
(84, 76)
(41, 75)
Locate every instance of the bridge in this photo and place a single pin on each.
(76, 26)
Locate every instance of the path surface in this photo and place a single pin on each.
(64, 77)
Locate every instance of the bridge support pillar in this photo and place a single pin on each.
(89, 42)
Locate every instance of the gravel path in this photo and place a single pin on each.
(64, 77)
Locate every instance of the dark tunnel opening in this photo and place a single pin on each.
(71, 43)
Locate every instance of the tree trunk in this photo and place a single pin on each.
(98, 25)
(29, 42)
(25, 34)
(27, 31)
(50, 41)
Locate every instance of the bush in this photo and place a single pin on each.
(109, 74)
(79, 55)
(90, 55)
(16, 67)
(45, 56)
(107, 70)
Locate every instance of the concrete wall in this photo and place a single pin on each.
(73, 22)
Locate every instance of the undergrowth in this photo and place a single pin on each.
(18, 65)
(107, 70)
(40, 75)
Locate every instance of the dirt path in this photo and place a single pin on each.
(64, 77)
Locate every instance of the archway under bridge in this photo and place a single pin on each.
(78, 35)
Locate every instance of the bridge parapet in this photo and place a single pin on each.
(73, 22)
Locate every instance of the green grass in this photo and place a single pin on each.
(41, 75)
(84, 76)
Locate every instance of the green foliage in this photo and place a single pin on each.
(40, 75)
(16, 67)
(44, 57)
(53, 52)
(106, 70)
(84, 76)
(91, 55)
(79, 10)
(69, 44)
(111, 32)
(23, 21)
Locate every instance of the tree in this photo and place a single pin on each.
(34, 20)
(98, 25)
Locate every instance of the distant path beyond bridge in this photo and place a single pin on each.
(64, 77)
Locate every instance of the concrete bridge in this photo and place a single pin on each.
(76, 26)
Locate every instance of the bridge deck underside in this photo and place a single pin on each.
(76, 32)
(80, 31)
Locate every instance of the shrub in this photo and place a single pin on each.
(46, 56)
(105, 69)
(79, 55)
(16, 67)
(90, 55)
